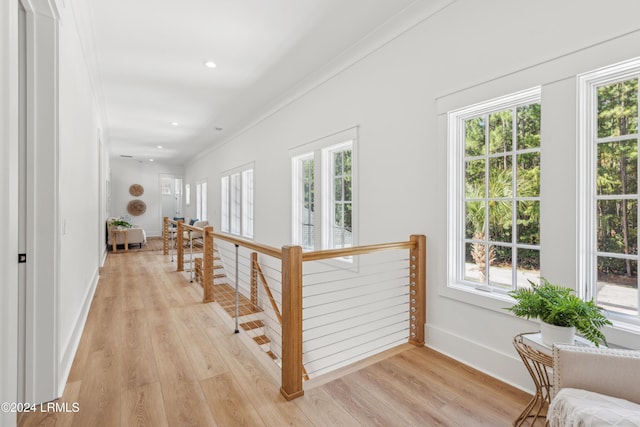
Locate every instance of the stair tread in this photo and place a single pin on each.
(254, 324)
(262, 339)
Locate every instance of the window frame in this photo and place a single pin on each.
(456, 191)
(202, 199)
(321, 151)
(587, 275)
(237, 202)
(298, 187)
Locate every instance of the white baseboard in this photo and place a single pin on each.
(505, 367)
(103, 257)
(74, 340)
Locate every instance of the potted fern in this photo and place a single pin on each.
(557, 306)
(121, 223)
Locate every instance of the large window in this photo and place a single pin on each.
(236, 202)
(323, 190)
(201, 200)
(494, 193)
(609, 188)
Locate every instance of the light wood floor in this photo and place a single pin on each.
(152, 355)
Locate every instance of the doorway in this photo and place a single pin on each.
(171, 194)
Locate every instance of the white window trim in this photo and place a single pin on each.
(587, 157)
(320, 150)
(456, 190)
(298, 203)
(243, 216)
(225, 183)
(328, 196)
(202, 199)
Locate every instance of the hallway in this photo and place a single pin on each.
(152, 354)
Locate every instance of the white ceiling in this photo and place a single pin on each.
(148, 63)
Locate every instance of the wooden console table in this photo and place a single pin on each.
(114, 238)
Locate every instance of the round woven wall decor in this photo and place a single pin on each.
(136, 190)
(136, 207)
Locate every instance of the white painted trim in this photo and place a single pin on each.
(586, 159)
(43, 237)
(9, 213)
(74, 339)
(485, 359)
(456, 184)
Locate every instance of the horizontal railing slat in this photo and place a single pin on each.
(356, 250)
(267, 250)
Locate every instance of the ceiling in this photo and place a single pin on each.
(148, 63)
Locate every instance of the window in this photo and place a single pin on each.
(304, 205)
(609, 188)
(494, 193)
(201, 200)
(187, 194)
(340, 204)
(236, 201)
(323, 189)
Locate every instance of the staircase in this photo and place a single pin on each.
(249, 316)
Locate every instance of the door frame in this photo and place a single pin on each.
(41, 354)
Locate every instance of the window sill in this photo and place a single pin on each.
(485, 299)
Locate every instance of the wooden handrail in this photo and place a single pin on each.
(356, 250)
(188, 227)
(265, 249)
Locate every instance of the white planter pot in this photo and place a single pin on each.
(552, 334)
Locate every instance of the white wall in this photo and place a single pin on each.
(397, 95)
(81, 231)
(126, 172)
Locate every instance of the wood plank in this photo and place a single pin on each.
(186, 405)
(206, 361)
(170, 355)
(366, 408)
(323, 409)
(45, 417)
(229, 403)
(99, 397)
(138, 363)
(143, 406)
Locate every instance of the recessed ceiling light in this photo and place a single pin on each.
(218, 128)
(151, 160)
(160, 146)
(209, 64)
(174, 123)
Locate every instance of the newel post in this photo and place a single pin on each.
(165, 235)
(207, 266)
(180, 246)
(291, 322)
(418, 289)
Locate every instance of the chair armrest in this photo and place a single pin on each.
(601, 370)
